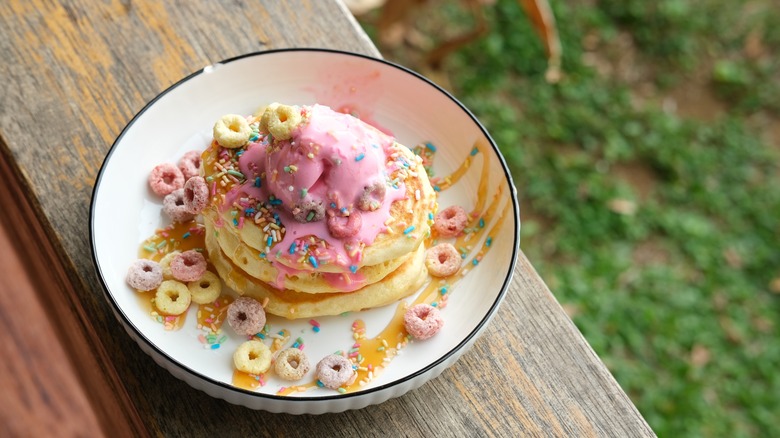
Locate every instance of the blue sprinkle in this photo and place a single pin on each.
(436, 189)
(489, 241)
(475, 262)
(249, 211)
(215, 346)
(481, 223)
(463, 256)
(254, 137)
(353, 269)
(269, 241)
(235, 221)
(443, 290)
(262, 255)
(409, 230)
(292, 248)
(257, 182)
(360, 156)
(240, 152)
(313, 262)
(431, 147)
(434, 304)
(374, 145)
(474, 151)
(185, 235)
(320, 384)
(316, 329)
(430, 216)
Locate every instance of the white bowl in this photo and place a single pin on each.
(125, 212)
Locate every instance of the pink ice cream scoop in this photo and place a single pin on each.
(329, 162)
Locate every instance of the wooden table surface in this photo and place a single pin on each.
(74, 72)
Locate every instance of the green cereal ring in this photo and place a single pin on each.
(206, 289)
(252, 357)
(172, 298)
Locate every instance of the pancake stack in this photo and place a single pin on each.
(316, 213)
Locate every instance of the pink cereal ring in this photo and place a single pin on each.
(372, 197)
(246, 316)
(196, 195)
(144, 275)
(442, 260)
(175, 207)
(189, 164)
(422, 321)
(188, 266)
(334, 371)
(341, 227)
(165, 178)
(451, 221)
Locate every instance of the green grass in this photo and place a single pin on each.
(675, 295)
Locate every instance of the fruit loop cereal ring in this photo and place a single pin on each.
(175, 208)
(172, 297)
(291, 364)
(232, 131)
(189, 164)
(206, 289)
(188, 266)
(144, 275)
(334, 371)
(309, 211)
(165, 178)
(451, 221)
(423, 321)
(372, 196)
(442, 260)
(341, 227)
(165, 264)
(252, 357)
(196, 195)
(280, 120)
(246, 316)
(265, 117)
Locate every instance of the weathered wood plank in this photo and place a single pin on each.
(78, 70)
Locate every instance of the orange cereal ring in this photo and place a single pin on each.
(442, 260)
(165, 178)
(291, 364)
(188, 266)
(451, 221)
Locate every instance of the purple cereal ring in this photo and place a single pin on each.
(188, 266)
(442, 260)
(422, 321)
(451, 221)
(372, 196)
(165, 178)
(309, 211)
(189, 164)
(144, 275)
(341, 227)
(246, 316)
(175, 207)
(196, 195)
(334, 371)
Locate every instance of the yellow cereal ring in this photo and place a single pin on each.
(266, 116)
(165, 263)
(232, 131)
(291, 364)
(206, 289)
(172, 298)
(280, 120)
(252, 357)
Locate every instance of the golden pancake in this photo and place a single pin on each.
(405, 280)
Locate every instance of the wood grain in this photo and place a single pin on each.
(76, 71)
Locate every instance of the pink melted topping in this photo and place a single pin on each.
(330, 159)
